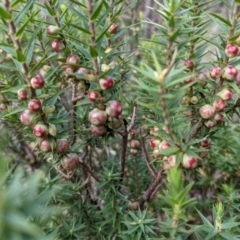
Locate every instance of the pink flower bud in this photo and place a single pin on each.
(114, 108)
(219, 105)
(94, 96)
(52, 30)
(35, 105)
(154, 143)
(29, 118)
(172, 160)
(225, 94)
(106, 83)
(135, 144)
(57, 46)
(62, 146)
(98, 130)
(215, 72)
(113, 28)
(164, 145)
(229, 73)
(189, 162)
(70, 161)
(97, 117)
(218, 117)
(206, 111)
(40, 130)
(23, 94)
(231, 50)
(189, 63)
(37, 82)
(45, 146)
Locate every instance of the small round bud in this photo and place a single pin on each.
(98, 130)
(189, 162)
(229, 73)
(206, 111)
(52, 30)
(225, 94)
(94, 96)
(219, 105)
(97, 117)
(106, 83)
(189, 63)
(114, 108)
(40, 130)
(70, 161)
(215, 72)
(57, 46)
(231, 50)
(113, 28)
(37, 82)
(24, 94)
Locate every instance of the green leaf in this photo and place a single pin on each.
(5, 14)
(21, 30)
(23, 12)
(52, 100)
(171, 22)
(20, 56)
(223, 20)
(97, 11)
(81, 29)
(50, 10)
(175, 34)
(205, 220)
(93, 52)
(169, 151)
(29, 53)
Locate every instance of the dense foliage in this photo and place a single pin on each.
(108, 135)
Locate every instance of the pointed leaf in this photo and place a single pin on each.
(93, 52)
(5, 14)
(23, 12)
(97, 11)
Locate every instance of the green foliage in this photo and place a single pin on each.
(157, 166)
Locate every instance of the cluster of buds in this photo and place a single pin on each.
(229, 73)
(100, 119)
(156, 144)
(212, 114)
(133, 143)
(188, 161)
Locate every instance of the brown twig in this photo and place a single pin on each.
(86, 167)
(151, 168)
(151, 189)
(93, 36)
(194, 131)
(124, 142)
(133, 118)
(63, 174)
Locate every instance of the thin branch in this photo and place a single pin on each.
(151, 168)
(63, 174)
(133, 118)
(86, 167)
(152, 187)
(93, 36)
(194, 131)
